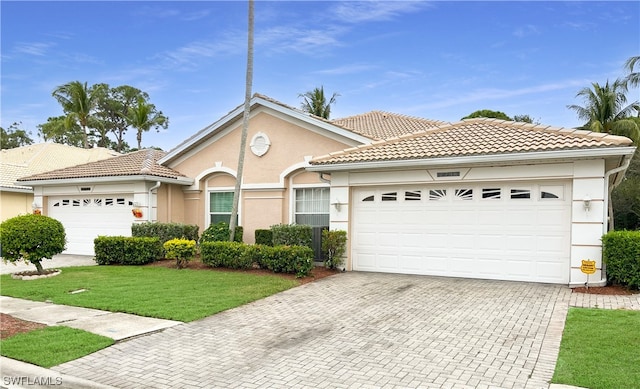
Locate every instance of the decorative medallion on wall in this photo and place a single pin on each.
(260, 144)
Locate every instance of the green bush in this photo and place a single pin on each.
(264, 237)
(334, 245)
(297, 260)
(125, 250)
(220, 232)
(292, 235)
(262, 254)
(621, 254)
(182, 250)
(31, 238)
(232, 255)
(165, 231)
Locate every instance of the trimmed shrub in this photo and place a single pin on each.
(220, 232)
(264, 237)
(262, 254)
(621, 254)
(232, 255)
(126, 250)
(334, 245)
(165, 231)
(291, 259)
(182, 250)
(31, 238)
(292, 235)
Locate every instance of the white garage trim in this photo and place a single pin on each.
(517, 231)
(86, 217)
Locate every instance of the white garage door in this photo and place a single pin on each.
(506, 231)
(86, 217)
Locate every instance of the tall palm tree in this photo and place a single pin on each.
(606, 110)
(78, 102)
(315, 102)
(143, 116)
(245, 125)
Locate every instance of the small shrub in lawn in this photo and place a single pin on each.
(334, 244)
(231, 255)
(621, 254)
(182, 250)
(292, 235)
(264, 237)
(126, 250)
(261, 254)
(220, 232)
(165, 231)
(31, 238)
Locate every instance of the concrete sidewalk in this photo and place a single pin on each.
(58, 261)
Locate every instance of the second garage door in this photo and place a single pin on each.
(86, 217)
(506, 231)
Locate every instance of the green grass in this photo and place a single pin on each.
(183, 295)
(52, 346)
(600, 349)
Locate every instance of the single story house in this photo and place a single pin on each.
(480, 198)
(17, 199)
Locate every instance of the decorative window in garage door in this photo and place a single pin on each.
(390, 196)
(491, 193)
(552, 192)
(463, 194)
(520, 193)
(437, 194)
(412, 195)
(94, 202)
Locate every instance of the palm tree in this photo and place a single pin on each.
(606, 110)
(78, 103)
(633, 79)
(143, 116)
(316, 103)
(245, 125)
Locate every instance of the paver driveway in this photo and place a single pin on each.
(351, 330)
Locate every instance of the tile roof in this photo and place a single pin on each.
(143, 162)
(38, 158)
(381, 125)
(473, 137)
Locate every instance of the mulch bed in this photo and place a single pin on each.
(611, 290)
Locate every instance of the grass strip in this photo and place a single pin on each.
(183, 295)
(599, 349)
(52, 346)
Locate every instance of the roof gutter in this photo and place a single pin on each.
(105, 179)
(477, 159)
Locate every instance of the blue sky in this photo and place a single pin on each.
(437, 60)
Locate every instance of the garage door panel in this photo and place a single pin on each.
(495, 238)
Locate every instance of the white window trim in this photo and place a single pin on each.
(207, 214)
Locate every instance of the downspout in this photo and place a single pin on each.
(605, 226)
(156, 186)
(325, 180)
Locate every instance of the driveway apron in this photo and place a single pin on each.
(353, 330)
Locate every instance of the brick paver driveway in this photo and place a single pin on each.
(353, 330)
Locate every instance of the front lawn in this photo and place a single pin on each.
(183, 295)
(600, 349)
(52, 346)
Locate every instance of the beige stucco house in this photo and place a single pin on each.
(481, 198)
(17, 199)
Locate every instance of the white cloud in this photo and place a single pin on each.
(34, 48)
(367, 11)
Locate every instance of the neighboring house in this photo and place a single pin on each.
(17, 199)
(481, 198)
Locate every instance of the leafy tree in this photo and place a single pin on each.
(605, 109)
(245, 123)
(315, 102)
(113, 108)
(487, 113)
(525, 119)
(31, 238)
(143, 116)
(79, 103)
(14, 137)
(56, 130)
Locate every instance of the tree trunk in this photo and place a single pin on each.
(38, 266)
(245, 126)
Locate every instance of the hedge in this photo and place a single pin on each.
(621, 254)
(165, 231)
(220, 232)
(264, 237)
(231, 255)
(125, 250)
(292, 235)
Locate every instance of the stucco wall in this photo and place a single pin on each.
(14, 203)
